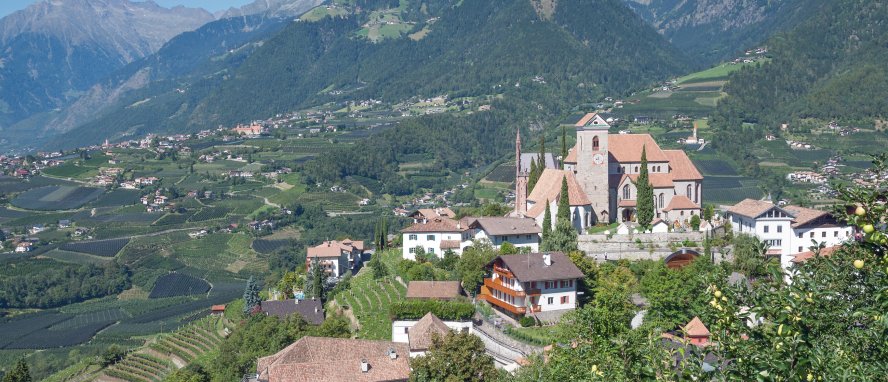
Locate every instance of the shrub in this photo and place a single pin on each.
(527, 321)
(445, 310)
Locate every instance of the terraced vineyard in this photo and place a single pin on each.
(168, 353)
(369, 301)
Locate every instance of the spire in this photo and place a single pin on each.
(518, 151)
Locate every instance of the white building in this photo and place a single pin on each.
(418, 333)
(520, 232)
(435, 235)
(788, 230)
(336, 257)
(532, 283)
(438, 234)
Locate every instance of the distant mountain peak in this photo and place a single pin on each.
(275, 8)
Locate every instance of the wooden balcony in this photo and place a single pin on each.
(503, 271)
(496, 284)
(516, 310)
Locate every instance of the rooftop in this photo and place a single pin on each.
(311, 310)
(434, 289)
(335, 248)
(500, 226)
(548, 187)
(321, 359)
(421, 334)
(530, 267)
(439, 224)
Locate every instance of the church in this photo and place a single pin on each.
(601, 170)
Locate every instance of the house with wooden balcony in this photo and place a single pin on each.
(532, 283)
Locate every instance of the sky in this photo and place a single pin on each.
(9, 6)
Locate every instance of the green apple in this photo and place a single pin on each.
(858, 264)
(868, 228)
(860, 211)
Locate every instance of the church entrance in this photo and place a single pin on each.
(628, 215)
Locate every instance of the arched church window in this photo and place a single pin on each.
(662, 201)
(626, 192)
(595, 143)
(689, 191)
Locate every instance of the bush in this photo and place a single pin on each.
(527, 321)
(445, 310)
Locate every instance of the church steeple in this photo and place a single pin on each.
(518, 152)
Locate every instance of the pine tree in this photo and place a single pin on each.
(251, 296)
(19, 373)
(547, 221)
(563, 145)
(645, 204)
(533, 176)
(564, 203)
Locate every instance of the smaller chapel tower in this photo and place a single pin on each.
(521, 176)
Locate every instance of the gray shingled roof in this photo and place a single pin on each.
(530, 267)
(499, 226)
(305, 308)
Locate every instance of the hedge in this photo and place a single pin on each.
(445, 310)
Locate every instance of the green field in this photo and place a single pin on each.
(720, 72)
(369, 301)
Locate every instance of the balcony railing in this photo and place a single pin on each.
(503, 271)
(496, 284)
(517, 310)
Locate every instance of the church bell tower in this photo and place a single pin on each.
(521, 176)
(593, 162)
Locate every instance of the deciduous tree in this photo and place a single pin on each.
(454, 357)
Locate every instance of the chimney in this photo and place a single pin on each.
(392, 354)
(365, 366)
(547, 259)
(316, 310)
(297, 301)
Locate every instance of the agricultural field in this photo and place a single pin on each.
(119, 197)
(103, 248)
(53, 198)
(268, 246)
(209, 213)
(75, 257)
(369, 300)
(504, 173)
(178, 284)
(80, 168)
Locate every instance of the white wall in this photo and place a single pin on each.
(428, 245)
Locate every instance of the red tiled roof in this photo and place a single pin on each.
(804, 216)
(681, 202)
(450, 244)
(420, 335)
(804, 256)
(681, 166)
(434, 289)
(436, 225)
(751, 208)
(321, 359)
(627, 203)
(696, 328)
(335, 248)
(549, 187)
(627, 148)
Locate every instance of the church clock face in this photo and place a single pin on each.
(598, 159)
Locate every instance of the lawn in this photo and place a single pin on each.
(720, 72)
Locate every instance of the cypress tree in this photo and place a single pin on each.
(533, 176)
(645, 203)
(542, 157)
(563, 145)
(564, 203)
(547, 221)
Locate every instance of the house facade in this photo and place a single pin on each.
(417, 334)
(439, 234)
(787, 230)
(434, 236)
(520, 232)
(604, 168)
(531, 283)
(336, 257)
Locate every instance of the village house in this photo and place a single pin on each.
(253, 130)
(311, 310)
(322, 359)
(418, 334)
(601, 171)
(542, 284)
(25, 246)
(434, 235)
(788, 230)
(336, 257)
(520, 232)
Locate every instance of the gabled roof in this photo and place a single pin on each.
(627, 148)
(334, 248)
(305, 308)
(696, 328)
(805, 216)
(321, 359)
(804, 256)
(592, 120)
(500, 226)
(752, 208)
(658, 180)
(681, 202)
(421, 333)
(526, 158)
(681, 167)
(434, 289)
(430, 213)
(530, 267)
(548, 187)
(436, 225)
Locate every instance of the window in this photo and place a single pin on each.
(636, 169)
(547, 285)
(800, 249)
(662, 201)
(836, 233)
(430, 237)
(626, 192)
(811, 234)
(823, 234)
(766, 228)
(800, 235)
(405, 330)
(533, 284)
(571, 284)
(411, 237)
(411, 250)
(551, 300)
(779, 229)
(565, 300)
(595, 143)
(527, 237)
(688, 191)
(431, 250)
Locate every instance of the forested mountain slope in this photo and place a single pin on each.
(831, 67)
(469, 47)
(715, 30)
(53, 50)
